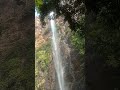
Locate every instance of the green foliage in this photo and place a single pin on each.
(12, 75)
(44, 6)
(15, 76)
(67, 8)
(78, 37)
(38, 4)
(17, 69)
(78, 42)
(42, 59)
(106, 35)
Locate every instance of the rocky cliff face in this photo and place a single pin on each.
(74, 73)
(42, 34)
(16, 44)
(15, 24)
(39, 39)
(42, 38)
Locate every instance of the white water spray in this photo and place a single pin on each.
(56, 53)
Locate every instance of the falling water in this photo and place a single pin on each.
(57, 55)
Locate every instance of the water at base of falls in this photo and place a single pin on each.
(57, 56)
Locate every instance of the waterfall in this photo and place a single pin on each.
(57, 54)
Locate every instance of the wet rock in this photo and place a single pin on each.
(71, 59)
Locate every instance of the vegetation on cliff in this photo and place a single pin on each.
(99, 35)
(42, 60)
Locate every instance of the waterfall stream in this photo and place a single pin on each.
(57, 55)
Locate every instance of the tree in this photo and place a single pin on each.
(102, 43)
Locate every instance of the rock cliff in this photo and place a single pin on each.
(16, 44)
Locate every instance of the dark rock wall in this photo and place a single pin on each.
(16, 44)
